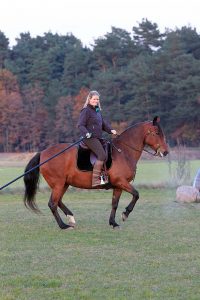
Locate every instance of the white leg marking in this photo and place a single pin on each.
(72, 221)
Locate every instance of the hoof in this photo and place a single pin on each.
(116, 227)
(70, 228)
(65, 226)
(124, 217)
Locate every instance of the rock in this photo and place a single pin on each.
(186, 193)
(196, 182)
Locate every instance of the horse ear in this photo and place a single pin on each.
(156, 120)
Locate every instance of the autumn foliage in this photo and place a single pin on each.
(44, 82)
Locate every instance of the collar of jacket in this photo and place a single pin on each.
(96, 108)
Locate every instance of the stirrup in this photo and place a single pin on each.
(103, 181)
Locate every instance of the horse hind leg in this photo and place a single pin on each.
(67, 212)
(56, 196)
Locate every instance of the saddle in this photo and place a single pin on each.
(86, 158)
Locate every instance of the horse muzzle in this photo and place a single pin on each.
(161, 153)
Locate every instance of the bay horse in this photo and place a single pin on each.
(62, 171)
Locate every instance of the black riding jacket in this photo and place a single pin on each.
(91, 121)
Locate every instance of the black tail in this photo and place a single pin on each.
(31, 182)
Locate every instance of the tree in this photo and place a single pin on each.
(10, 112)
(190, 40)
(4, 50)
(141, 103)
(64, 122)
(35, 119)
(76, 69)
(147, 36)
(114, 49)
(67, 114)
(40, 71)
(111, 85)
(186, 110)
(137, 77)
(20, 62)
(78, 102)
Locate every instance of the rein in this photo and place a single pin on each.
(133, 148)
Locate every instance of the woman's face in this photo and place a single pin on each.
(94, 101)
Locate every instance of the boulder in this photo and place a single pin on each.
(186, 193)
(196, 182)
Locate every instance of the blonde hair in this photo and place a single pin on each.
(90, 95)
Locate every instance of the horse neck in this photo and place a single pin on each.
(134, 138)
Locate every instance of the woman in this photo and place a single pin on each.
(91, 124)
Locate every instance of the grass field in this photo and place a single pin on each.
(149, 174)
(155, 255)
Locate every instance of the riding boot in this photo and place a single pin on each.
(96, 176)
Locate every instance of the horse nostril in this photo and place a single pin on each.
(165, 153)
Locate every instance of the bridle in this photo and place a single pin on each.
(149, 132)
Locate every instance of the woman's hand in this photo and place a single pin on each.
(88, 135)
(114, 131)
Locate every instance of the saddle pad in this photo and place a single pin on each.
(84, 157)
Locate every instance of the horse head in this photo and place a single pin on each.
(154, 137)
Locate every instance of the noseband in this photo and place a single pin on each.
(153, 133)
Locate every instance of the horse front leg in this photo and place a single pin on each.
(115, 200)
(131, 205)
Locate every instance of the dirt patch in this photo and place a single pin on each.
(15, 159)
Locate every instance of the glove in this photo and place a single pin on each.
(113, 131)
(88, 135)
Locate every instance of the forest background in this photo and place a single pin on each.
(44, 82)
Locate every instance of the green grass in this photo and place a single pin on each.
(149, 173)
(155, 255)
(8, 174)
(157, 172)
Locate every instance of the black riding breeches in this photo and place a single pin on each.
(95, 145)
